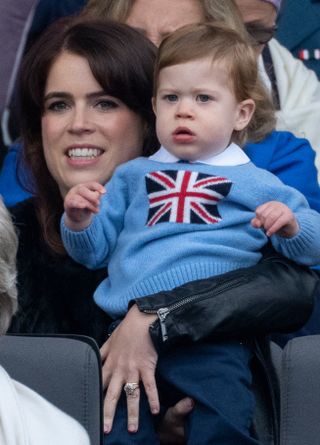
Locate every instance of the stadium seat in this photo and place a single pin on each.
(64, 370)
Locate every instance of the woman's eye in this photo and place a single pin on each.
(57, 106)
(171, 97)
(203, 98)
(106, 104)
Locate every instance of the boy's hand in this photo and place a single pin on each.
(276, 217)
(80, 203)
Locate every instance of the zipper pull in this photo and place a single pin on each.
(162, 315)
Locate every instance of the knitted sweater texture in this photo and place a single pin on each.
(162, 225)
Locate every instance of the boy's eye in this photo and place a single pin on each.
(171, 97)
(203, 98)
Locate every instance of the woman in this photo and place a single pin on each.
(25, 416)
(50, 285)
(59, 122)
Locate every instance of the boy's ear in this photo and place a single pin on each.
(245, 111)
(153, 102)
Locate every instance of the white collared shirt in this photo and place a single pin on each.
(232, 155)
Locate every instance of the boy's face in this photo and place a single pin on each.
(196, 109)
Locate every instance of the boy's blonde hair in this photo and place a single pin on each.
(223, 44)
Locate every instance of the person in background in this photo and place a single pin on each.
(299, 31)
(295, 88)
(172, 218)
(15, 19)
(25, 416)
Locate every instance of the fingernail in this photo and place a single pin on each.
(132, 429)
(106, 429)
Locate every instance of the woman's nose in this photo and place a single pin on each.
(80, 121)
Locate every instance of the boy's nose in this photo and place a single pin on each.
(184, 109)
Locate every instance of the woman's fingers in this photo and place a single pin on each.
(151, 390)
(110, 402)
(132, 391)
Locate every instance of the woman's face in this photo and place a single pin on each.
(258, 15)
(158, 18)
(85, 132)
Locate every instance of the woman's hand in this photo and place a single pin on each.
(129, 356)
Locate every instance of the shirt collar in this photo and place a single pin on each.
(232, 155)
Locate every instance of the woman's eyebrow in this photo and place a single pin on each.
(57, 94)
(64, 95)
(95, 94)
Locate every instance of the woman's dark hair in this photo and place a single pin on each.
(121, 61)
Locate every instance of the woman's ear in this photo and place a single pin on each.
(245, 111)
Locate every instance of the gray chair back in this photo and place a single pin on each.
(300, 392)
(64, 370)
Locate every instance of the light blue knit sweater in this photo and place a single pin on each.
(193, 227)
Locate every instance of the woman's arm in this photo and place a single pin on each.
(276, 295)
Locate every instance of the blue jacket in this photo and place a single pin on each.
(299, 28)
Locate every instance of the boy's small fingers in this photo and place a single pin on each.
(275, 226)
(255, 222)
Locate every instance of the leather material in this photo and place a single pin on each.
(276, 295)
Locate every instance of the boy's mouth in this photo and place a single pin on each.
(183, 135)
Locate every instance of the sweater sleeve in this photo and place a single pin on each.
(304, 247)
(93, 246)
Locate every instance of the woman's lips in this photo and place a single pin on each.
(183, 135)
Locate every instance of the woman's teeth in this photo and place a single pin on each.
(84, 153)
